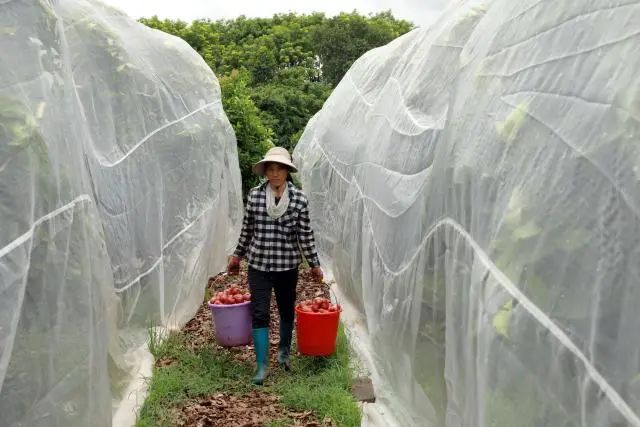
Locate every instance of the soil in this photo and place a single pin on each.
(255, 408)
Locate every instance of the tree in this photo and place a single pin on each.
(277, 72)
(254, 138)
(176, 28)
(288, 102)
(341, 40)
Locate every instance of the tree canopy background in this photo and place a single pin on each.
(275, 73)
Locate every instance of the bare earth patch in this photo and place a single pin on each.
(255, 408)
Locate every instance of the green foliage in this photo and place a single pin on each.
(262, 46)
(341, 40)
(254, 137)
(277, 72)
(288, 102)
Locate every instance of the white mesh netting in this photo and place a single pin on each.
(474, 188)
(120, 194)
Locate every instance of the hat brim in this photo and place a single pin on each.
(258, 168)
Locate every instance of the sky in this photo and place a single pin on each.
(420, 12)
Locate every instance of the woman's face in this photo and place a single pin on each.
(276, 174)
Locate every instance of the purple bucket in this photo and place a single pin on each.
(232, 323)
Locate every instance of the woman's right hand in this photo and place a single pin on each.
(233, 267)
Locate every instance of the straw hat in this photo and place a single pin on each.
(277, 155)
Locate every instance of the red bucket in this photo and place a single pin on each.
(317, 332)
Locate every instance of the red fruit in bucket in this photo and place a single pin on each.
(238, 298)
(247, 297)
(315, 308)
(322, 310)
(332, 308)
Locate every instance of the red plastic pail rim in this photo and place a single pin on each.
(317, 313)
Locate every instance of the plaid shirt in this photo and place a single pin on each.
(274, 244)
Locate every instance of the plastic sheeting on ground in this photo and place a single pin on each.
(475, 189)
(120, 194)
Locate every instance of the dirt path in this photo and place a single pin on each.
(256, 408)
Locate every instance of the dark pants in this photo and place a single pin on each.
(284, 284)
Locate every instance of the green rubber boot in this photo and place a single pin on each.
(261, 345)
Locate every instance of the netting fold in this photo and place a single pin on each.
(120, 194)
(474, 190)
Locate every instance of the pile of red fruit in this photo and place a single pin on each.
(318, 305)
(231, 295)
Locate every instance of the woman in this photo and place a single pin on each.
(275, 229)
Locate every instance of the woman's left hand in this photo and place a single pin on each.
(316, 273)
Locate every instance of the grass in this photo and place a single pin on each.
(191, 375)
(321, 385)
